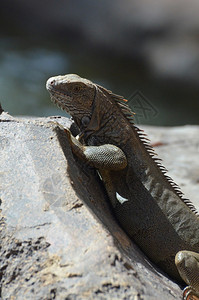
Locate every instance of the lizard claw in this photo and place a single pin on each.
(68, 133)
(189, 294)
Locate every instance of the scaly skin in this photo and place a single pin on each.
(147, 203)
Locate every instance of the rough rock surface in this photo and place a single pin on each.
(59, 239)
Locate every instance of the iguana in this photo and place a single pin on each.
(146, 202)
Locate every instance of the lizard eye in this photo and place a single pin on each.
(76, 89)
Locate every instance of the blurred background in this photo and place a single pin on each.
(145, 50)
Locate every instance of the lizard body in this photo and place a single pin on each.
(147, 203)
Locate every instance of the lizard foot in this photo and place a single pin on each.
(190, 294)
(187, 263)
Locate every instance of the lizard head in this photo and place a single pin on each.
(73, 94)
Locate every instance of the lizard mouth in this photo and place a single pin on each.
(61, 98)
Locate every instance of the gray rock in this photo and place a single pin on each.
(59, 239)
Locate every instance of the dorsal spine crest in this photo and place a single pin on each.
(128, 114)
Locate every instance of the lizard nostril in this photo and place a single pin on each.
(51, 82)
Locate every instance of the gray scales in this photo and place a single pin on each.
(147, 203)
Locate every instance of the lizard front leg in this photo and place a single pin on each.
(187, 263)
(105, 157)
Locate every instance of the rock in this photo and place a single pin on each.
(59, 239)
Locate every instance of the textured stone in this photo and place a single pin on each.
(59, 239)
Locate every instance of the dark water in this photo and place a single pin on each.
(25, 67)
